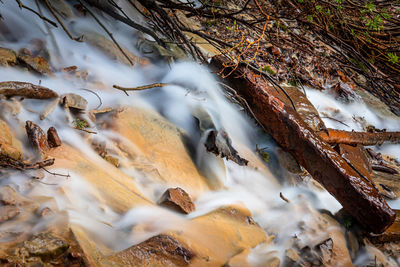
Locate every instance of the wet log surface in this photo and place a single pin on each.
(356, 194)
(27, 90)
(332, 136)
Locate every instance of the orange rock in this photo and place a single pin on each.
(178, 200)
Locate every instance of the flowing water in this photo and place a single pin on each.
(193, 88)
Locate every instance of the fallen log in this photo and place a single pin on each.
(356, 193)
(333, 136)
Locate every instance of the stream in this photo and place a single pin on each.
(192, 104)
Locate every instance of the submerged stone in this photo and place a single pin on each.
(8, 196)
(7, 57)
(46, 246)
(8, 212)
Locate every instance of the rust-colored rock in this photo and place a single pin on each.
(37, 64)
(9, 145)
(160, 250)
(37, 137)
(178, 200)
(357, 194)
(7, 57)
(333, 136)
(27, 90)
(52, 137)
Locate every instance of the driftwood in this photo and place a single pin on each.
(356, 193)
(27, 90)
(332, 136)
(10, 163)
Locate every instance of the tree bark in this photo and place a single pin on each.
(356, 194)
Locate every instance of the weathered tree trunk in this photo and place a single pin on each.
(357, 195)
(333, 136)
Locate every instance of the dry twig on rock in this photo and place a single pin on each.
(140, 88)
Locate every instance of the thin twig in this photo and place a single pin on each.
(78, 39)
(36, 13)
(283, 197)
(327, 117)
(140, 88)
(84, 130)
(108, 32)
(37, 179)
(49, 32)
(93, 92)
(56, 174)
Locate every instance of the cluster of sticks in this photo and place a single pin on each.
(367, 31)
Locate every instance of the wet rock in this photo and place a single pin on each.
(113, 160)
(62, 8)
(37, 64)
(50, 107)
(178, 200)
(153, 137)
(73, 101)
(160, 250)
(26, 90)
(7, 57)
(46, 246)
(388, 184)
(328, 247)
(115, 188)
(111, 50)
(52, 137)
(156, 52)
(292, 255)
(46, 212)
(219, 143)
(8, 196)
(288, 161)
(9, 107)
(37, 137)
(9, 145)
(376, 257)
(8, 212)
(374, 103)
(239, 260)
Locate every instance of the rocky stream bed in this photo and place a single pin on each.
(132, 154)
